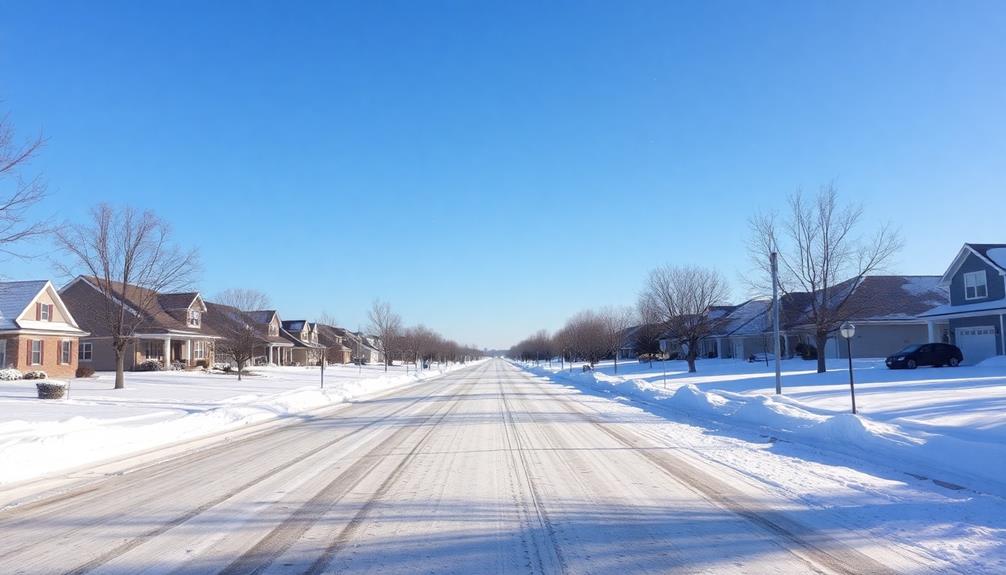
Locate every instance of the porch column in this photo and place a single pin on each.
(931, 326)
(268, 358)
(719, 347)
(187, 351)
(167, 351)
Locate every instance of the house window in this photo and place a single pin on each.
(273, 330)
(3, 353)
(35, 352)
(194, 318)
(199, 350)
(84, 351)
(65, 348)
(975, 286)
(45, 312)
(153, 349)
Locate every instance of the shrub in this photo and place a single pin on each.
(10, 374)
(84, 371)
(34, 375)
(150, 365)
(227, 368)
(51, 390)
(202, 363)
(806, 351)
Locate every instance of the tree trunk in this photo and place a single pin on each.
(821, 338)
(120, 369)
(691, 361)
(616, 363)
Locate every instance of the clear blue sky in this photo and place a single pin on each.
(491, 168)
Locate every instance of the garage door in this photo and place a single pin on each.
(976, 343)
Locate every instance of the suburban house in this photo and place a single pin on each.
(884, 309)
(277, 349)
(362, 347)
(37, 331)
(170, 328)
(304, 337)
(334, 341)
(975, 317)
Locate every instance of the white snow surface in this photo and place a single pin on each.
(998, 255)
(948, 424)
(160, 408)
(888, 474)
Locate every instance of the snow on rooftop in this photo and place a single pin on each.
(997, 255)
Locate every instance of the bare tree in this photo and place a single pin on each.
(239, 340)
(588, 336)
(680, 298)
(19, 191)
(131, 258)
(646, 342)
(821, 255)
(326, 319)
(386, 325)
(617, 322)
(243, 299)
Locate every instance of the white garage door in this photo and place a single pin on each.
(976, 343)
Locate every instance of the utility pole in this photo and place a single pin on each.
(323, 361)
(775, 321)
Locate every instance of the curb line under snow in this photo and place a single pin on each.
(949, 462)
(96, 448)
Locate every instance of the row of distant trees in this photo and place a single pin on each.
(124, 247)
(417, 344)
(818, 245)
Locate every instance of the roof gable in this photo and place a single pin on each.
(992, 254)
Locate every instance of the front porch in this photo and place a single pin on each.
(174, 352)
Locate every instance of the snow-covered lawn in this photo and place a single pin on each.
(944, 423)
(160, 408)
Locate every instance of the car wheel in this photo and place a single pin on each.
(954, 362)
(910, 364)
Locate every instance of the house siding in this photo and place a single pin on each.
(18, 355)
(880, 340)
(973, 263)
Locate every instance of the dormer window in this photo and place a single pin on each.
(273, 330)
(976, 285)
(195, 317)
(45, 312)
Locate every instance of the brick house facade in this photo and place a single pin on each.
(37, 331)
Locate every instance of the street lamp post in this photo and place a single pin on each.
(848, 330)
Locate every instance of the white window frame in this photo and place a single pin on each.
(85, 351)
(45, 312)
(31, 358)
(199, 349)
(971, 281)
(65, 352)
(195, 318)
(3, 353)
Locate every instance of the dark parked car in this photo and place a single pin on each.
(934, 354)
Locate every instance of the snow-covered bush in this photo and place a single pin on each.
(150, 365)
(10, 374)
(51, 390)
(84, 371)
(35, 375)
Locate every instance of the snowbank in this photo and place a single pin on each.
(923, 451)
(39, 437)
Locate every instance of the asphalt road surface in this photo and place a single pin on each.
(485, 470)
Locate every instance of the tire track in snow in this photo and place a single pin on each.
(130, 482)
(548, 556)
(794, 536)
(265, 552)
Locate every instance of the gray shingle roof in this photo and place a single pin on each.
(15, 297)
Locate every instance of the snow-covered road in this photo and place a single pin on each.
(485, 470)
